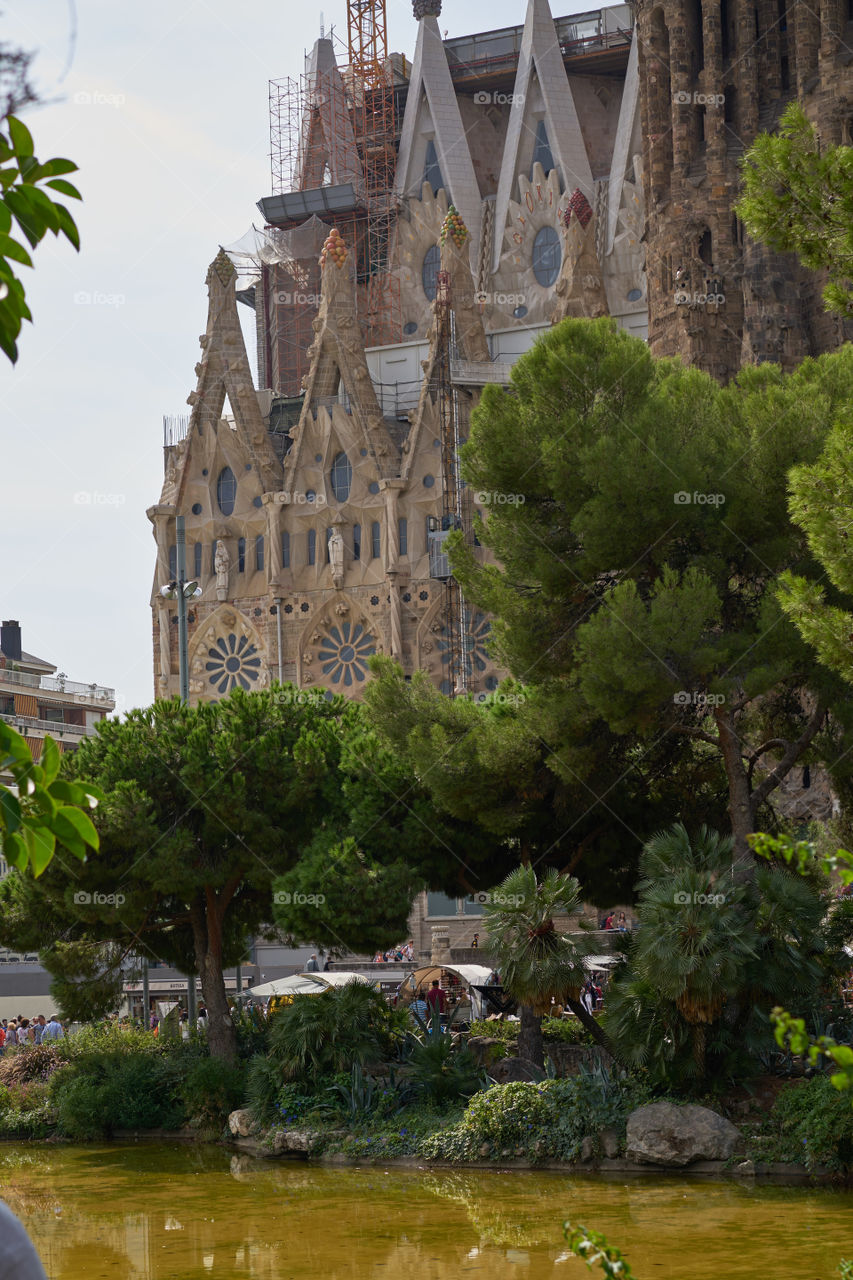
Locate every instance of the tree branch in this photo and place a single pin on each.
(781, 744)
(790, 758)
(691, 732)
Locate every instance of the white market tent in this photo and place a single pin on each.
(304, 984)
(471, 975)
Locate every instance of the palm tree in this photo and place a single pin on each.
(536, 962)
(697, 935)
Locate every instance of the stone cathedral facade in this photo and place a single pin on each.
(591, 161)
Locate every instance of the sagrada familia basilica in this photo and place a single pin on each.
(430, 218)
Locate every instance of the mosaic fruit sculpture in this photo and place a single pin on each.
(454, 227)
(334, 249)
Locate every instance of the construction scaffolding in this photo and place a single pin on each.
(337, 127)
(374, 110)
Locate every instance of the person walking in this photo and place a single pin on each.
(53, 1030)
(201, 1021)
(312, 966)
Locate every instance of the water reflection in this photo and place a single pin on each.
(155, 1212)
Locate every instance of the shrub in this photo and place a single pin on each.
(321, 1035)
(99, 1093)
(25, 1111)
(29, 1062)
(263, 1084)
(811, 1123)
(545, 1120)
(210, 1090)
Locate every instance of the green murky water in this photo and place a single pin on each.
(152, 1212)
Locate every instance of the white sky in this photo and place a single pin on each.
(164, 107)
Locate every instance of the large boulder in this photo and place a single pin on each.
(662, 1133)
(511, 1070)
(241, 1124)
(487, 1050)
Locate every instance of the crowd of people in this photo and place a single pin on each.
(37, 1030)
(396, 954)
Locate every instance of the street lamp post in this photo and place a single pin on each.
(182, 591)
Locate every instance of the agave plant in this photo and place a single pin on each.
(536, 962)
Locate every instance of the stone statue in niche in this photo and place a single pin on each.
(222, 565)
(336, 555)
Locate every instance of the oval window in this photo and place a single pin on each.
(431, 268)
(547, 257)
(410, 327)
(340, 477)
(520, 312)
(226, 491)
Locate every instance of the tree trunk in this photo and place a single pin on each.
(740, 800)
(530, 1045)
(207, 937)
(592, 1025)
(698, 1036)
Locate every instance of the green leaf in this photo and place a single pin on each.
(15, 851)
(10, 811)
(40, 845)
(22, 139)
(57, 166)
(50, 759)
(82, 824)
(66, 188)
(68, 225)
(10, 248)
(68, 835)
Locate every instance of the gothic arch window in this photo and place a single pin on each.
(197, 554)
(356, 542)
(542, 153)
(226, 491)
(547, 257)
(706, 248)
(432, 169)
(312, 546)
(340, 477)
(375, 540)
(259, 552)
(241, 555)
(285, 549)
(403, 535)
(173, 561)
(430, 270)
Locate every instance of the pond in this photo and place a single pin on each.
(151, 1211)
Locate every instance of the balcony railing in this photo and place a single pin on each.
(58, 728)
(57, 684)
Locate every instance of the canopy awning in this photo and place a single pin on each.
(306, 984)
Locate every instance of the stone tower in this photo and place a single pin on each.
(714, 74)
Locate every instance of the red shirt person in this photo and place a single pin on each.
(435, 997)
